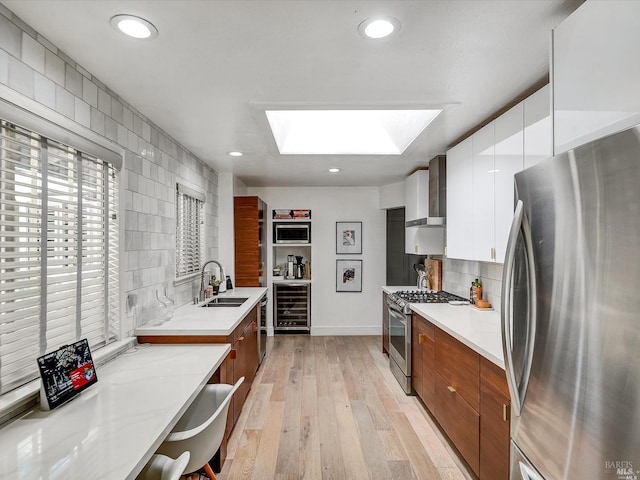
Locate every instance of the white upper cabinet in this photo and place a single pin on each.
(424, 240)
(459, 201)
(509, 160)
(480, 172)
(416, 192)
(596, 72)
(483, 170)
(420, 240)
(538, 131)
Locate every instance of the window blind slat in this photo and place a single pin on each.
(79, 191)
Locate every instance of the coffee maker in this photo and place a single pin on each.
(299, 267)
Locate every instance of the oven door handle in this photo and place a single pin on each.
(397, 314)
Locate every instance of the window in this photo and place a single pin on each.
(189, 219)
(58, 251)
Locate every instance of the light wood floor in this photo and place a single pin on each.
(329, 408)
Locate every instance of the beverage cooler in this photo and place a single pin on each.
(292, 307)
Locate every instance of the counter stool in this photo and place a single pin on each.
(201, 429)
(161, 467)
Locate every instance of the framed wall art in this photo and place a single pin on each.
(348, 275)
(349, 238)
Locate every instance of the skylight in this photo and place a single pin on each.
(347, 132)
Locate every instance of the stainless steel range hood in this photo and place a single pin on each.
(435, 199)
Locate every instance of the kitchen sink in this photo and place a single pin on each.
(226, 302)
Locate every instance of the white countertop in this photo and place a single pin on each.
(198, 320)
(478, 330)
(113, 428)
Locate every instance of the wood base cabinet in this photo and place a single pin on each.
(460, 421)
(467, 394)
(423, 360)
(495, 410)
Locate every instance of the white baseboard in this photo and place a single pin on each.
(346, 331)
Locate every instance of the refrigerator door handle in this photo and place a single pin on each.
(519, 226)
(510, 255)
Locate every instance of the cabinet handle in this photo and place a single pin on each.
(505, 412)
(451, 389)
(254, 326)
(422, 338)
(240, 339)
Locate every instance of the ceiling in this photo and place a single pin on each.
(216, 65)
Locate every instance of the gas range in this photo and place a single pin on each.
(403, 298)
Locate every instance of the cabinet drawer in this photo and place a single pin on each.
(460, 421)
(251, 317)
(459, 366)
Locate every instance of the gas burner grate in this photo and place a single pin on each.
(415, 296)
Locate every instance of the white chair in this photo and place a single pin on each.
(161, 467)
(201, 429)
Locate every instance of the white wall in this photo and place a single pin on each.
(334, 313)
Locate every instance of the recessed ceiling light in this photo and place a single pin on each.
(235, 154)
(347, 132)
(376, 28)
(334, 170)
(133, 26)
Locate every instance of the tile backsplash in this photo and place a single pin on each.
(458, 275)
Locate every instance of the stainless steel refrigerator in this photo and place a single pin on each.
(571, 314)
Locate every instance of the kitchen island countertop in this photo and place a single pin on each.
(198, 320)
(478, 330)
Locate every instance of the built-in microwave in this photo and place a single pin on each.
(292, 232)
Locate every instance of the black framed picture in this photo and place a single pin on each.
(348, 275)
(348, 238)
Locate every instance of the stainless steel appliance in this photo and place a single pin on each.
(291, 273)
(292, 308)
(292, 232)
(398, 304)
(570, 314)
(262, 329)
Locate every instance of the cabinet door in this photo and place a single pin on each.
(460, 421)
(508, 160)
(481, 205)
(595, 72)
(429, 366)
(418, 340)
(460, 201)
(247, 241)
(417, 195)
(494, 422)
(538, 131)
(459, 366)
(424, 241)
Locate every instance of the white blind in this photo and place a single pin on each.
(55, 197)
(188, 232)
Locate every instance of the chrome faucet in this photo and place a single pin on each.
(222, 279)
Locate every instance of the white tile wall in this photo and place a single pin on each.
(34, 67)
(458, 275)
(4, 67)
(32, 53)
(44, 91)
